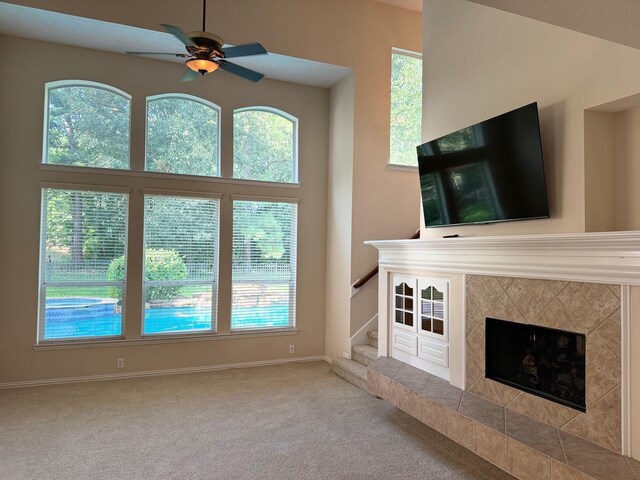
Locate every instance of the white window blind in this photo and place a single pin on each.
(264, 265)
(180, 264)
(83, 245)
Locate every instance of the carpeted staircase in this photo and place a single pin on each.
(355, 370)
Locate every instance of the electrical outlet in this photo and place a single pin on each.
(292, 348)
(120, 363)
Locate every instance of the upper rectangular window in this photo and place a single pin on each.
(82, 267)
(180, 264)
(406, 108)
(87, 125)
(265, 145)
(264, 265)
(183, 134)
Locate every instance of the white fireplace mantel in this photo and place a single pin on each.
(610, 257)
(606, 257)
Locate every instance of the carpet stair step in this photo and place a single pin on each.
(364, 354)
(352, 371)
(373, 338)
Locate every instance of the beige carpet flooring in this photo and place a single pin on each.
(295, 421)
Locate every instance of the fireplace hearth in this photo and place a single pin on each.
(546, 362)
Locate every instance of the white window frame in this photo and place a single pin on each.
(216, 261)
(193, 98)
(42, 286)
(294, 120)
(294, 298)
(48, 87)
(406, 53)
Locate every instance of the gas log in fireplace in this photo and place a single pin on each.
(542, 361)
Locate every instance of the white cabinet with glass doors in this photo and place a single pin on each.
(419, 314)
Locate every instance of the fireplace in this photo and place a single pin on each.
(543, 361)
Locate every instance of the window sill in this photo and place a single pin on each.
(166, 176)
(402, 168)
(162, 339)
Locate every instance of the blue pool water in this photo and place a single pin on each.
(157, 320)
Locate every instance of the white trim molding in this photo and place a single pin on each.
(157, 373)
(610, 257)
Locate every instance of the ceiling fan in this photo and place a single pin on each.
(205, 53)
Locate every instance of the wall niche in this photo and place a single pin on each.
(612, 166)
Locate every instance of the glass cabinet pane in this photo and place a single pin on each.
(426, 324)
(438, 327)
(408, 303)
(408, 319)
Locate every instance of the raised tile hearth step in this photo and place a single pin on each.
(364, 354)
(519, 445)
(352, 371)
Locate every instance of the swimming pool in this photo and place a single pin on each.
(161, 320)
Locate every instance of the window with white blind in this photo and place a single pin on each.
(87, 125)
(82, 267)
(406, 107)
(263, 265)
(182, 135)
(180, 264)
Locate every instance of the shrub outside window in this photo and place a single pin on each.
(406, 107)
(87, 125)
(182, 135)
(265, 145)
(263, 265)
(83, 234)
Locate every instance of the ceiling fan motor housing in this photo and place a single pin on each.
(207, 44)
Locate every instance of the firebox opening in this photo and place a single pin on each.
(542, 361)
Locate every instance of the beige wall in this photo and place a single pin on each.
(627, 149)
(20, 151)
(339, 216)
(600, 172)
(354, 33)
(480, 62)
(612, 172)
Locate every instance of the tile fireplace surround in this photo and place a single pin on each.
(586, 283)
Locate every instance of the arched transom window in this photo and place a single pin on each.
(265, 145)
(87, 125)
(183, 134)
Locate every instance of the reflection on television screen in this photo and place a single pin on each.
(489, 172)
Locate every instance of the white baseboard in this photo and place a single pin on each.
(156, 373)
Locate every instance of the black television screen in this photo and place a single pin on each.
(488, 172)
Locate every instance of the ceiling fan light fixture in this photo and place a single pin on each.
(202, 65)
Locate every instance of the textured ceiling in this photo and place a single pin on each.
(614, 20)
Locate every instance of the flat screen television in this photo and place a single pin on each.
(489, 172)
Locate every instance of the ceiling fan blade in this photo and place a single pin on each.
(244, 50)
(179, 34)
(189, 75)
(157, 53)
(241, 71)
